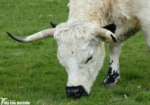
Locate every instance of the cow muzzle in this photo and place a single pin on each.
(76, 92)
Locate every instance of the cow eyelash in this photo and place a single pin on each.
(90, 58)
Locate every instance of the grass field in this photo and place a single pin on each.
(31, 71)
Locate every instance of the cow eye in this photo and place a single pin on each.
(90, 58)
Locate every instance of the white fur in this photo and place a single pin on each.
(76, 42)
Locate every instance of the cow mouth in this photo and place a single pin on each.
(75, 92)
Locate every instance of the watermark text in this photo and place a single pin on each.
(5, 101)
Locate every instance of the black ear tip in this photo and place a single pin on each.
(110, 27)
(114, 25)
(53, 25)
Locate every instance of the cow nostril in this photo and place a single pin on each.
(75, 92)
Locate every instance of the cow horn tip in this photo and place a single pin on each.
(9, 34)
(19, 39)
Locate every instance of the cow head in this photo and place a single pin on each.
(80, 51)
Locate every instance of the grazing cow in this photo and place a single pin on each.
(81, 39)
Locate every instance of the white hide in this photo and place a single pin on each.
(76, 43)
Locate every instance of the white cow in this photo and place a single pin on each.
(81, 39)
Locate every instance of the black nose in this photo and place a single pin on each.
(75, 92)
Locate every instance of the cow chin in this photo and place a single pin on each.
(80, 81)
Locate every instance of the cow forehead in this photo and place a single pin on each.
(74, 32)
(77, 47)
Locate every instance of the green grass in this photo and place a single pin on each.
(31, 71)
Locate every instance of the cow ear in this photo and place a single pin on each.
(53, 25)
(110, 27)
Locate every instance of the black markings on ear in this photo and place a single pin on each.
(113, 38)
(110, 27)
(53, 25)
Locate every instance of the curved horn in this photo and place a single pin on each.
(40, 35)
(105, 34)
